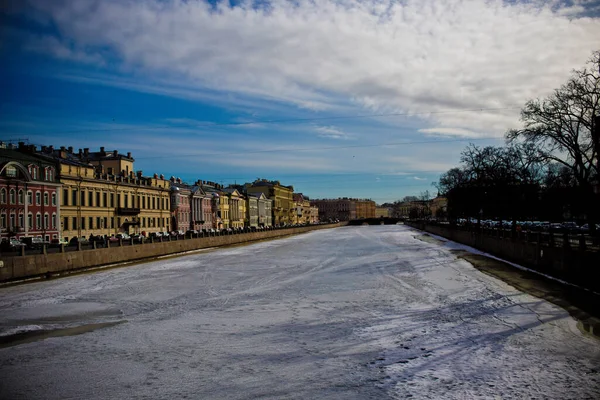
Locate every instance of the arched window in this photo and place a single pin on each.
(30, 221)
(53, 199)
(21, 220)
(3, 220)
(46, 197)
(30, 197)
(3, 196)
(21, 197)
(46, 220)
(38, 198)
(38, 221)
(53, 220)
(13, 196)
(12, 220)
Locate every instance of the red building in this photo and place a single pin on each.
(29, 191)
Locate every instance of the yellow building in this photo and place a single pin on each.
(101, 194)
(237, 208)
(282, 196)
(301, 213)
(383, 212)
(223, 213)
(365, 209)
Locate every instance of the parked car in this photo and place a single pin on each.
(11, 244)
(59, 242)
(137, 238)
(113, 239)
(97, 239)
(34, 242)
(81, 240)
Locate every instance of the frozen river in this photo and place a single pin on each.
(347, 313)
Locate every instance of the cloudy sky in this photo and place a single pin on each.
(371, 98)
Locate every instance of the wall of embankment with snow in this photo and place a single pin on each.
(14, 268)
(569, 263)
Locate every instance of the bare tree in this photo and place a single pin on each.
(562, 126)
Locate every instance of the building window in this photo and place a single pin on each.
(98, 204)
(74, 198)
(91, 222)
(65, 199)
(30, 221)
(119, 222)
(112, 200)
(34, 172)
(21, 220)
(143, 222)
(74, 219)
(119, 201)
(46, 221)
(91, 199)
(38, 198)
(38, 221)
(54, 199)
(3, 196)
(126, 201)
(154, 203)
(3, 220)
(11, 171)
(112, 222)
(12, 220)
(13, 196)
(104, 200)
(46, 198)
(21, 197)
(143, 201)
(82, 222)
(66, 223)
(98, 225)
(105, 222)
(82, 198)
(53, 220)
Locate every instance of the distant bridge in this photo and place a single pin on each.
(375, 221)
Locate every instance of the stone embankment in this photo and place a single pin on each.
(17, 268)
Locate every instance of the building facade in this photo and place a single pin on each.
(101, 194)
(281, 196)
(29, 195)
(344, 209)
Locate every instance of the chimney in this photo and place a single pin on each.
(155, 175)
(80, 153)
(44, 149)
(86, 151)
(139, 174)
(102, 152)
(115, 153)
(162, 176)
(71, 149)
(128, 154)
(172, 179)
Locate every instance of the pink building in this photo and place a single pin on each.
(29, 193)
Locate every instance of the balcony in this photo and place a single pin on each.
(127, 211)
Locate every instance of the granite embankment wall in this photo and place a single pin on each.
(31, 266)
(581, 267)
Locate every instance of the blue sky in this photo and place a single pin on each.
(370, 99)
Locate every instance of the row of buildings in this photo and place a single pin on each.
(61, 193)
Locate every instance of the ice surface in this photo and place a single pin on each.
(348, 313)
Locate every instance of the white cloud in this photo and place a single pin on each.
(330, 132)
(416, 178)
(450, 132)
(412, 56)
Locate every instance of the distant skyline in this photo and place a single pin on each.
(369, 99)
